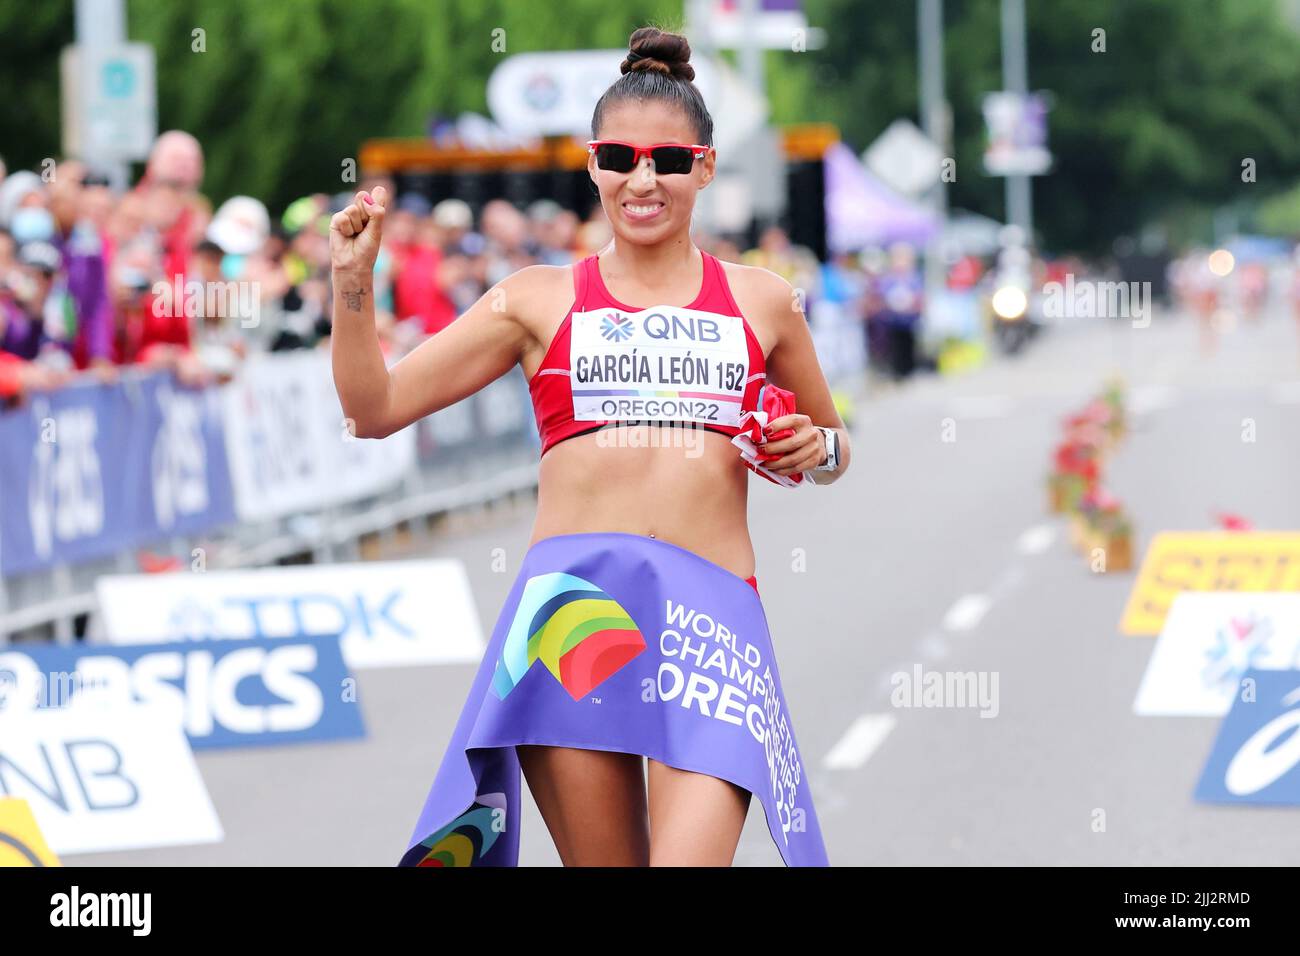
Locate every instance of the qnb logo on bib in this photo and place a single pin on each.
(660, 364)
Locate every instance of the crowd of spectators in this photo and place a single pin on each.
(93, 279)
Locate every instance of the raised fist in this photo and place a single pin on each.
(355, 232)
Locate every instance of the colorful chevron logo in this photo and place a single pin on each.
(616, 328)
(578, 631)
(465, 840)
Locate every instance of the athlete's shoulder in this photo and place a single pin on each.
(539, 277)
(537, 290)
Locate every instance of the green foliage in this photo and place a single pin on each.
(1155, 127)
(31, 37)
(1280, 216)
(286, 90)
(1185, 91)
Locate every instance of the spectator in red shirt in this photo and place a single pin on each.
(171, 179)
(417, 293)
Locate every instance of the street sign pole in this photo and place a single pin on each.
(934, 120)
(1020, 207)
(100, 25)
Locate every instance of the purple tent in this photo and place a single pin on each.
(863, 211)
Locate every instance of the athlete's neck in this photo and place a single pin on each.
(664, 266)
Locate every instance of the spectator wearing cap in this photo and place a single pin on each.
(240, 227)
(22, 190)
(301, 319)
(455, 223)
(463, 277)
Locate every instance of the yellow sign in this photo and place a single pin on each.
(21, 843)
(1209, 561)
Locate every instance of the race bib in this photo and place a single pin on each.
(661, 364)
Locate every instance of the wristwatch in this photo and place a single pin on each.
(832, 448)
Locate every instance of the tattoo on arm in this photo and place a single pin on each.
(353, 299)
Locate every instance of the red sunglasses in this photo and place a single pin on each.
(619, 157)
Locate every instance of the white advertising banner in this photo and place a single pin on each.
(1209, 640)
(99, 779)
(289, 447)
(388, 613)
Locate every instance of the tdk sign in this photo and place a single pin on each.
(387, 613)
(223, 692)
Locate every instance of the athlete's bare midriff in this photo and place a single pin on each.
(687, 486)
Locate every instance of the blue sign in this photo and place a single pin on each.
(224, 692)
(93, 470)
(118, 78)
(1256, 758)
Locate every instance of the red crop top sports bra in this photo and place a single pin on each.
(612, 364)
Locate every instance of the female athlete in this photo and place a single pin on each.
(636, 600)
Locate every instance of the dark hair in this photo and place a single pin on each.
(658, 67)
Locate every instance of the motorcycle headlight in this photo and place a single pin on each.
(1010, 302)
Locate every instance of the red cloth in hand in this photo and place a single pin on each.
(773, 402)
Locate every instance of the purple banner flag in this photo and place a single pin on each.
(619, 642)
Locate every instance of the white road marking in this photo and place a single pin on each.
(966, 613)
(1036, 540)
(859, 742)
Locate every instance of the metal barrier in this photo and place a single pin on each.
(223, 477)
(216, 476)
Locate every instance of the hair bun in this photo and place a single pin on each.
(653, 50)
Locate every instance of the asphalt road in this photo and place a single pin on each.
(929, 552)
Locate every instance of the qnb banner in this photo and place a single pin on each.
(291, 449)
(93, 470)
(96, 779)
(389, 613)
(223, 693)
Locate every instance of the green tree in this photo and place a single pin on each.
(1185, 91)
(1156, 127)
(281, 93)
